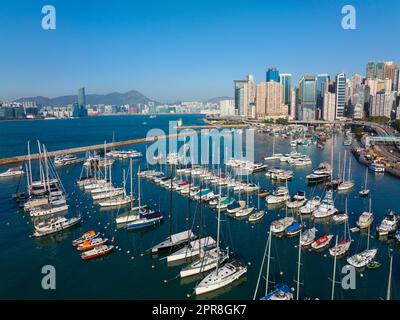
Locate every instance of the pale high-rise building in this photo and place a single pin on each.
(293, 104)
(381, 104)
(227, 107)
(329, 106)
(373, 86)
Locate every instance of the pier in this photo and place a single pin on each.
(37, 156)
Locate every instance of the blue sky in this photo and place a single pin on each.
(184, 49)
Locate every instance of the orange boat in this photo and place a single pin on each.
(90, 244)
(96, 252)
(85, 237)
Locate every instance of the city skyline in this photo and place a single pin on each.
(139, 50)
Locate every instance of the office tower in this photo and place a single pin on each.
(82, 102)
(293, 104)
(322, 83)
(307, 98)
(241, 97)
(227, 107)
(381, 104)
(340, 95)
(286, 80)
(245, 93)
(272, 75)
(380, 70)
(371, 70)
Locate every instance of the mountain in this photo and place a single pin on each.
(217, 99)
(114, 98)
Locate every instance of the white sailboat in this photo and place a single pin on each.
(361, 259)
(364, 192)
(273, 156)
(348, 184)
(224, 274)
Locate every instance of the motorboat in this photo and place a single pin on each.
(281, 292)
(322, 242)
(91, 234)
(12, 172)
(389, 224)
(361, 259)
(310, 205)
(326, 208)
(297, 201)
(340, 249)
(280, 225)
(92, 243)
(365, 220)
(97, 252)
(54, 225)
(256, 216)
(321, 174)
(281, 194)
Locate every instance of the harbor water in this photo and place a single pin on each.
(130, 272)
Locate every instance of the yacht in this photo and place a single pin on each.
(279, 226)
(206, 262)
(65, 159)
(310, 205)
(54, 225)
(12, 172)
(377, 167)
(365, 220)
(281, 293)
(281, 194)
(389, 224)
(145, 219)
(321, 174)
(322, 242)
(221, 277)
(175, 240)
(361, 259)
(326, 208)
(297, 201)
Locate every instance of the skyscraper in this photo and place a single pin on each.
(371, 70)
(272, 75)
(322, 83)
(82, 102)
(380, 70)
(286, 80)
(241, 97)
(340, 95)
(307, 98)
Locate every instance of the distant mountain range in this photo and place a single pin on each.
(114, 98)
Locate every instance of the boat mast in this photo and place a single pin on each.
(139, 186)
(105, 161)
(344, 167)
(349, 174)
(46, 167)
(219, 222)
(170, 204)
(388, 293)
(30, 165)
(366, 178)
(298, 270)
(334, 271)
(40, 164)
(269, 258)
(130, 167)
(124, 183)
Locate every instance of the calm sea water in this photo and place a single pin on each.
(131, 273)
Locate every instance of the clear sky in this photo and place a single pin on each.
(184, 49)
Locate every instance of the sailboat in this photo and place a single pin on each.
(341, 248)
(326, 208)
(245, 211)
(146, 216)
(180, 238)
(365, 191)
(363, 258)
(348, 184)
(281, 291)
(119, 200)
(259, 214)
(208, 259)
(224, 274)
